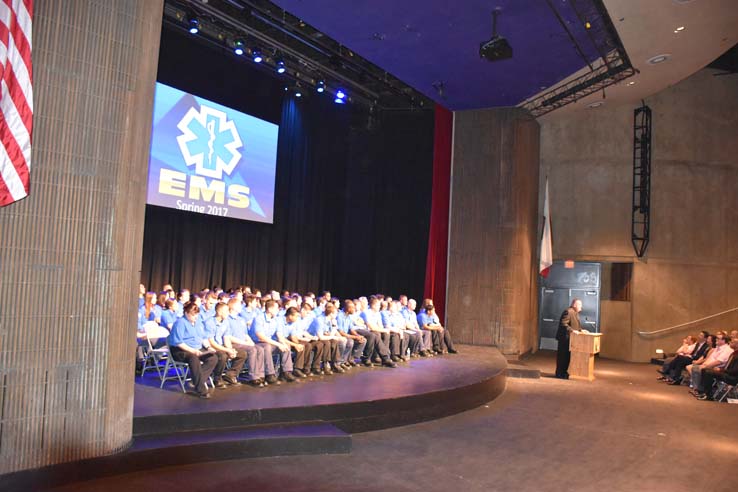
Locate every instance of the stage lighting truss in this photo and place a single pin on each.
(612, 66)
(307, 56)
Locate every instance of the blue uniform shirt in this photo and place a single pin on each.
(425, 319)
(217, 330)
(397, 321)
(185, 332)
(320, 326)
(248, 315)
(410, 318)
(168, 318)
(264, 327)
(237, 327)
(206, 315)
(179, 309)
(345, 323)
(372, 316)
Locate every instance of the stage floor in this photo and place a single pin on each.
(361, 384)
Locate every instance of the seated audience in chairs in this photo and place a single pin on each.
(264, 331)
(727, 374)
(321, 327)
(688, 345)
(160, 306)
(238, 338)
(428, 320)
(698, 354)
(717, 357)
(217, 330)
(187, 343)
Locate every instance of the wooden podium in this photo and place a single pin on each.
(583, 347)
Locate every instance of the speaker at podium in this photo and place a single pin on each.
(583, 346)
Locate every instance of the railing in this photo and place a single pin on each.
(653, 334)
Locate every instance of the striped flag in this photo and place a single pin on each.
(546, 241)
(16, 99)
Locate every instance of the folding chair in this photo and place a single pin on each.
(724, 390)
(181, 371)
(154, 356)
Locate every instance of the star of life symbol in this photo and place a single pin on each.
(209, 141)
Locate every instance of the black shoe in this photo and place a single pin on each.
(315, 371)
(256, 383)
(394, 358)
(232, 381)
(453, 351)
(389, 363)
(676, 382)
(287, 376)
(367, 362)
(220, 384)
(405, 358)
(204, 396)
(272, 379)
(337, 368)
(661, 378)
(352, 362)
(299, 373)
(377, 360)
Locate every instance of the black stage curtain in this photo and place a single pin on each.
(352, 197)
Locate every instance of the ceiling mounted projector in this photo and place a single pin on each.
(496, 48)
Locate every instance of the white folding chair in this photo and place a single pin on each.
(154, 356)
(181, 371)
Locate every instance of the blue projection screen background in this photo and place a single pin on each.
(210, 159)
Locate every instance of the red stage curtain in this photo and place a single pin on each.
(435, 269)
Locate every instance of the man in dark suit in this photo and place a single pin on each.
(729, 374)
(569, 322)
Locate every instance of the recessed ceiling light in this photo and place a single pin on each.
(679, 29)
(595, 104)
(632, 82)
(658, 59)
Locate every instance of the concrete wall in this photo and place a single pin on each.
(70, 253)
(491, 298)
(691, 267)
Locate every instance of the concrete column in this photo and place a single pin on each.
(70, 253)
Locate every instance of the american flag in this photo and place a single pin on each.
(16, 99)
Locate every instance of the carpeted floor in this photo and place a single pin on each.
(622, 432)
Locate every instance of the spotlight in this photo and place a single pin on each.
(256, 55)
(280, 66)
(238, 47)
(298, 93)
(320, 87)
(340, 94)
(338, 100)
(194, 25)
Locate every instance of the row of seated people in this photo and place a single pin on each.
(225, 332)
(705, 359)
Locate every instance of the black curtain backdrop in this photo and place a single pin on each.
(352, 197)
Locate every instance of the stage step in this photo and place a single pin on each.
(182, 448)
(518, 369)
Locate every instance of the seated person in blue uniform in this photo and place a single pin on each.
(169, 315)
(345, 342)
(321, 328)
(396, 327)
(425, 346)
(183, 297)
(264, 331)
(217, 330)
(238, 338)
(373, 321)
(365, 343)
(251, 310)
(187, 343)
(207, 309)
(411, 340)
(428, 320)
(303, 345)
(346, 326)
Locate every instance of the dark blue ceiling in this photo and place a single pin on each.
(423, 42)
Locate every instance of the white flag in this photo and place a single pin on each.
(546, 245)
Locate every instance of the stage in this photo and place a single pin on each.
(314, 416)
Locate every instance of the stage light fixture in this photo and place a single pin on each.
(298, 93)
(340, 94)
(497, 48)
(279, 65)
(256, 55)
(194, 25)
(238, 47)
(320, 87)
